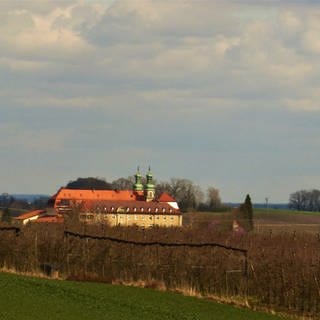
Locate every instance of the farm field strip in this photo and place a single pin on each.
(24, 298)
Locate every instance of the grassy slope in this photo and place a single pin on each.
(287, 217)
(284, 212)
(23, 298)
(259, 214)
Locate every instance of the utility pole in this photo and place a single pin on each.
(267, 201)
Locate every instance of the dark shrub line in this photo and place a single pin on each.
(15, 229)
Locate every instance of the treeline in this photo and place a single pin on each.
(279, 272)
(305, 200)
(11, 206)
(189, 196)
(9, 201)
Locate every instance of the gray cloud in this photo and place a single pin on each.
(232, 85)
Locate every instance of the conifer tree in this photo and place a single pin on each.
(6, 216)
(246, 214)
(249, 210)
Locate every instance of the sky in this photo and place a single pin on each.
(224, 93)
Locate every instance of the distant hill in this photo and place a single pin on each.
(283, 206)
(29, 197)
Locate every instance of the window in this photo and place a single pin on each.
(134, 209)
(150, 217)
(135, 217)
(156, 210)
(141, 209)
(86, 217)
(163, 209)
(171, 218)
(164, 218)
(149, 209)
(170, 210)
(64, 202)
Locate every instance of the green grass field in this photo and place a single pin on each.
(258, 211)
(277, 220)
(24, 298)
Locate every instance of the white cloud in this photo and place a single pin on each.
(29, 35)
(22, 65)
(24, 139)
(222, 47)
(305, 104)
(291, 22)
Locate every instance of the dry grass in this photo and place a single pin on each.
(283, 267)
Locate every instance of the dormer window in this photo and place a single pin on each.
(163, 209)
(149, 209)
(112, 209)
(142, 209)
(134, 209)
(127, 209)
(156, 210)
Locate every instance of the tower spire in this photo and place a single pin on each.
(138, 184)
(150, 188)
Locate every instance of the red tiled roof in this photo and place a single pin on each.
(30, 214)
(50, 219)
(81, 194)
(128, 206)
(165, 197)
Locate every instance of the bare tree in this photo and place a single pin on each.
(314, 200)
(213, 199)
(123, 183)
(305, 200)
(187, 194)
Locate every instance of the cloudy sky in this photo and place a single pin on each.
(225, 93)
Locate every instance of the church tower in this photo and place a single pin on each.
(138, 187)
(150, 188)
